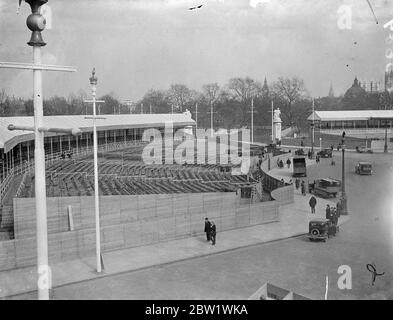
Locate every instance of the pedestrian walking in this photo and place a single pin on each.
(328, 214)
(281, 164)
(297, 183)
(317, 159)
(312, 203)
(207, 229)
(289, 163)
(339, 208)
(303, 187)
(213, 233)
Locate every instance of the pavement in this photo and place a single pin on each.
(293, 222)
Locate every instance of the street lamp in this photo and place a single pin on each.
(93, 82)
(344, 209)
(36, 23)
(320, 143)
(313, 128)
(385, 147)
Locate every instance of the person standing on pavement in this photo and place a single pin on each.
(328, 215)
(213, 232)
(338, 206)
(303, 187)
(289, 163)
(312, 203)
(207, 229)
(297, 183)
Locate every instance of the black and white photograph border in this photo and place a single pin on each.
(206, 150)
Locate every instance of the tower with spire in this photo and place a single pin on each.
(265, 89)
(331, 92)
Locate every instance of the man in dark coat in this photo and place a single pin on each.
(303, 187)
(339, 207)
(289, 163)
(213, 233)
(328, 215)
(207, 228)
(312, 203)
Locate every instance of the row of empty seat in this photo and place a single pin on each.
(75, 178)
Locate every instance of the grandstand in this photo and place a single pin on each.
(121, 170)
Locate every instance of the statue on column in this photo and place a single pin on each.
(277, 126)
(276, 115)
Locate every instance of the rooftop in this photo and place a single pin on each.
(8, 139)
(348, 115)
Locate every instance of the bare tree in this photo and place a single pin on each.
(4, 103)
(243, 89)
(287, 92)
(179, 95)
(211, 91)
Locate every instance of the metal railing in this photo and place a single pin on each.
(4, 185)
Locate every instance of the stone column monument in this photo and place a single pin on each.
(277, 126)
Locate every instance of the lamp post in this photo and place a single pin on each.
(252, 120)
(320, 143)
(312, 128)
(385, 147)
(93, 82)
(36, 23)
(211, 118)
(344, 209)
(272, 122)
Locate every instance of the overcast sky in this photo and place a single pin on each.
(138, 45)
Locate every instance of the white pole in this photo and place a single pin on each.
(211, 117)
(196, 115)
(272, 122)
(320, 143)
(44, 276)
(96, 195)
(252, 120)
(313, 124)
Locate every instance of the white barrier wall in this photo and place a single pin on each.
(126, 221)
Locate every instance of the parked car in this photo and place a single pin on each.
(325, 153)
(364, 168)
(299, 152)
(325, 188)
(363, 150)
(318, 229)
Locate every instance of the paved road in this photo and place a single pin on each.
(295, 264)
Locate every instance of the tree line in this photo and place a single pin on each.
(231, 103)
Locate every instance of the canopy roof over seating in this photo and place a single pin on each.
(9, 139)
(349, 115)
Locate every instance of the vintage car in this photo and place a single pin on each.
(318, 229)
(299, 152)
(325, 188)
(325, 153)
(364, 168)
(363, 150)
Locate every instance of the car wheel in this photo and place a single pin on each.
(315, 232)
